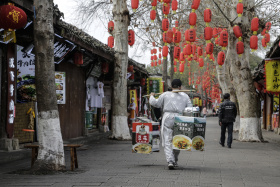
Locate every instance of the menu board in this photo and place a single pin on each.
(189, 133)
(60, 85)
(145, 137)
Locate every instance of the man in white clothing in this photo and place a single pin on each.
(172, 104)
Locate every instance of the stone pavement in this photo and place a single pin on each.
(111, 163)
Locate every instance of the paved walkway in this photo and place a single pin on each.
(111, 163)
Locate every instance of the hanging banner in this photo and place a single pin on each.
(272, 75)
(133, 100)
(189, 133)
(154, 84)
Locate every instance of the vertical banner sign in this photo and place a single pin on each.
(189, 133)
(154, 84)
(142, 138)
(133, 94)
(272, 75)
(11, 91)
(60, 85)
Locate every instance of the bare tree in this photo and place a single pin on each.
(51, 152)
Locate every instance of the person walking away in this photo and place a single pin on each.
(227, 116)
(172, 104)
(204, 111)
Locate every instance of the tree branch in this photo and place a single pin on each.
(222, 12)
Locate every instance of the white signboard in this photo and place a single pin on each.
(60, 85)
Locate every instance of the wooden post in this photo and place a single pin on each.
(264, 112)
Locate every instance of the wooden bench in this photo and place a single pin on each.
(73, 153)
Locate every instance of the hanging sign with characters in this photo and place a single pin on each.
(133, 104)
(272, 75)
(154, 84)
(142, 138)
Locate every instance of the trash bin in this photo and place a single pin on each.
(89, 120)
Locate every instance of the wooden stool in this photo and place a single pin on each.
(73, 153)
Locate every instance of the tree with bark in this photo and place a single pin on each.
(51, 151)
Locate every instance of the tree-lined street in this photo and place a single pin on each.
(111, 163)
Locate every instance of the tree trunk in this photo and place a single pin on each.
(250, 127)
(171, 63)
(51, 152)
(164, 73)
(120, 128)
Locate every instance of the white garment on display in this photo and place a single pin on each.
(98, 95)
(89, 87)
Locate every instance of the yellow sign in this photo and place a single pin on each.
(272, 75)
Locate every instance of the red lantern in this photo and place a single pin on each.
(131, 37)
(175, 69)
(130, 68)
(165, 24)
(155, 63)
(221, 58)
(152, 64)
(177, 51)
(254, 42)
(186, 35)
(175, 62)
(110, 26)
(164, 51)
(143, 82)
(237, 31)
(192, 18)
(159, 55)
(191, 35)
(240, 47)
(201, 62)
(189, 49)
(264, 44)
(239, 9)
(153, 15)
(154, 44)
(173, 29)
(182, 59)
(181, 68)
(176, 23)
(207, 15)
(105, 67)
(165, 9)
(174, 6)
(255, 25)
(217, 41)
(209, 48)
(199, 51)
(159, 49)
(155, 57)
(194, 49)
(267, 37)
(12, 17)
(195, 4)
(131, 76)
(166, 1)
(268, 26)
(167, 36)
(263, 31)
(224, 38)
(78, 58)
(177, 37)
(111, 41)
(134, 4)
(215, 32)
(159, 61)
(152, 51)
(154, 3)
(208, 33)
(155, 51)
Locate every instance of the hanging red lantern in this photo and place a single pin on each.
(165, 9)
(221, 58)
(177, 51)
(153, 15)
(175, 69)
(78, 58)
(154, 44)
(195, 57)
(254, 42)
(177, 37)
(152, 64)
(131, 37)
(217, 41)
(182, 59)
(237, 31)
(185, 51)
(143, 82)
(263, 31)
(186, 34)
(192, 19)
(195, 4)
(268, 26)
(194, 49)
(208, 33)
(155, 51)
(267, 37)
(207, 16)
(110, 26)
(181, 68)
(166, 1)
(130, 68)
(174, 6)
(167, 37)
(176, 23)
(209, 49)
(165, 24)
(175, 61)
(215, 32)
(264, 44)
(201, 62)
(12, 17)
(152, 51)
(134, 5)
(191, 35)
(159, 49)
(111, 41)
(155, 57)
(240, 47)
(189, 49)
(154, 3)
(155, 63)
(159, 55)
(131, 76)
(224, 39)
(239, 9)
(105, 67)
(164, 51)
(199, 51)
(159, 61)
(255, 25)
(174, 29)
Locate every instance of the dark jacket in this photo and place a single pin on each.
(227, 111)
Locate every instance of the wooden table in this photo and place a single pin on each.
(73, 153)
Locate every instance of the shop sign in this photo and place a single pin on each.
(272, 75)
(60, 85)
(142, 138)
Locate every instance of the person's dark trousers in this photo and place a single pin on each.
(225, 126)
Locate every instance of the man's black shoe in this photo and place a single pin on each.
(222, 144)
(229, 146)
